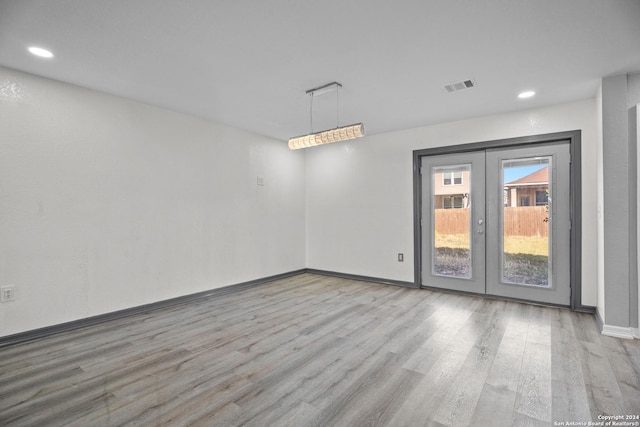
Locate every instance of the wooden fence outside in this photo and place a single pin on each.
(521, 221)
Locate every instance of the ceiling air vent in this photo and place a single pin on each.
(462, 84)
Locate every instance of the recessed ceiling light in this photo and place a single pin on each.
(38, 51)
(526, 94)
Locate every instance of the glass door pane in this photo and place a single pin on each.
(451, 225)
(526, 235)
(529, 222)
(452, 222)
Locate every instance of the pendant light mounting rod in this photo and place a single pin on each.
(321, 90)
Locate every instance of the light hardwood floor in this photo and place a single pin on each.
(320, 351)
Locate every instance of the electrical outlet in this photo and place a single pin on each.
(400, 257)
(7, 293)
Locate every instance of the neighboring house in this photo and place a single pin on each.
(530, 190)
(451, 190)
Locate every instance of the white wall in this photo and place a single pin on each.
(600, 204)
(633, 99)
(359, 194)
(107, 204)
(634, 135)
(633, 87)
(619, 159)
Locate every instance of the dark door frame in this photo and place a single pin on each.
(575, 206)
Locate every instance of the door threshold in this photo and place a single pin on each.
(495, 297)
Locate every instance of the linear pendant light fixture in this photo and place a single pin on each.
(338, 134)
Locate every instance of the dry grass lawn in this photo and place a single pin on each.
(512, 244)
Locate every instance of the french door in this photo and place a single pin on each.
(497, 222)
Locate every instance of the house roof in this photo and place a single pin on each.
(539, 177)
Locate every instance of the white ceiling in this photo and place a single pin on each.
(248, 63)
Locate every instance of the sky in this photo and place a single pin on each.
(513, 174)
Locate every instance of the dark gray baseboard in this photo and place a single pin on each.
(34, 334)
(585, 309)
(581, 308)
(362, 278)
(23, 337)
